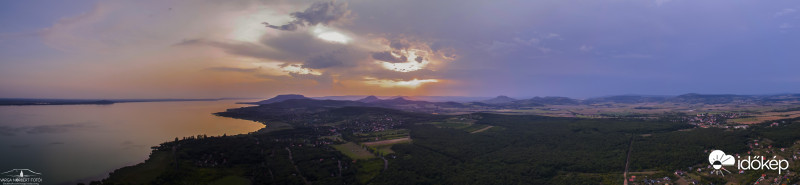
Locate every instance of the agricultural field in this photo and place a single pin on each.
(766, 116)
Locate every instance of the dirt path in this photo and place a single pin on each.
(386, 142)
(295, 167)
(385, 163)
(628, 162)
(682, 181)
(481, 130)
(340, 167)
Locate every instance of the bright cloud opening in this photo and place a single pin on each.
(334, 37)
(295, 68)
(328, 34)
(398, 83)
(411, 63)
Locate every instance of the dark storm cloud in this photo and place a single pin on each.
(343, 57)
(287, 47)
(299, 45)
(388, 57)
(320, 62)
(399, 44)
(318, 13)
(291, 26)
(236, 48)
(324, 80)
(323, 13)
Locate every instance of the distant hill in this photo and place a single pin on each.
(419, 98)
(397, 101)
(298, 104)
(499, 99)
(403, 103)
(312, 103)
(280, 98)
(369, 99)
(782, 97)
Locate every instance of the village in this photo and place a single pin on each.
(705, 173)
(706, 120)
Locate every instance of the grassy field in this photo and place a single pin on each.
(453, 125)
(382, 135)
(354, 151)
(385, 147)
(456, 123)
(467, 125)
(368, 169)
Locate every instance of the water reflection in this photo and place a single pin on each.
(76, 142)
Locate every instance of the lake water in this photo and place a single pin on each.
(70, 143)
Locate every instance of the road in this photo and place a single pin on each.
(385, 163)
(627, 162)
(481, 130)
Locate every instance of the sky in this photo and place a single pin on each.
(248, 48)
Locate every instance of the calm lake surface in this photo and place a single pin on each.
(70, 143)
